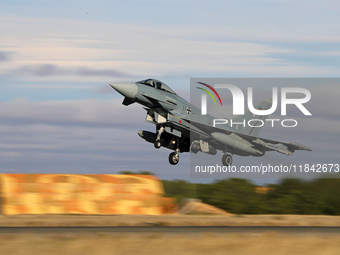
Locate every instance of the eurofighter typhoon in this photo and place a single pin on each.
(181, 129)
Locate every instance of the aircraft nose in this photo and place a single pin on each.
(126, 89)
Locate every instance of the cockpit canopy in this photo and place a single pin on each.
(156, 84)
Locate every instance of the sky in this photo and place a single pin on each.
(59, 115)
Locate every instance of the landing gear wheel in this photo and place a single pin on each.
(227, 160)
(157, 144)
(173, 158)
(194, 150)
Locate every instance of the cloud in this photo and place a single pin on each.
(55, 70)
(141, 49)
(325, 99)
(5, 56)
(101, 72)
(85, 136)
(90, 112)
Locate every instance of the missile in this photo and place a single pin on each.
(299, 146)
(167, 140)
(237, 143)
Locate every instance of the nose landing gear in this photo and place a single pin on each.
(157, 143)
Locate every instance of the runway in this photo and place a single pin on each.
(174, 229)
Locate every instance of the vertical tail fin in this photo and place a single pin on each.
(251, 130)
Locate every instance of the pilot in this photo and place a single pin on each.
(151, 83)
(158, 85)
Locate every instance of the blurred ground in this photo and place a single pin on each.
(158, 243)
(168, 220)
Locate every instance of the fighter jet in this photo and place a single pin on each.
(180, 127)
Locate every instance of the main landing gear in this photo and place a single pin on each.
(227, 159)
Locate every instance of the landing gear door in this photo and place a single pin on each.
(154, 117)
(173, 131)
(159, 118)
(150, 116)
